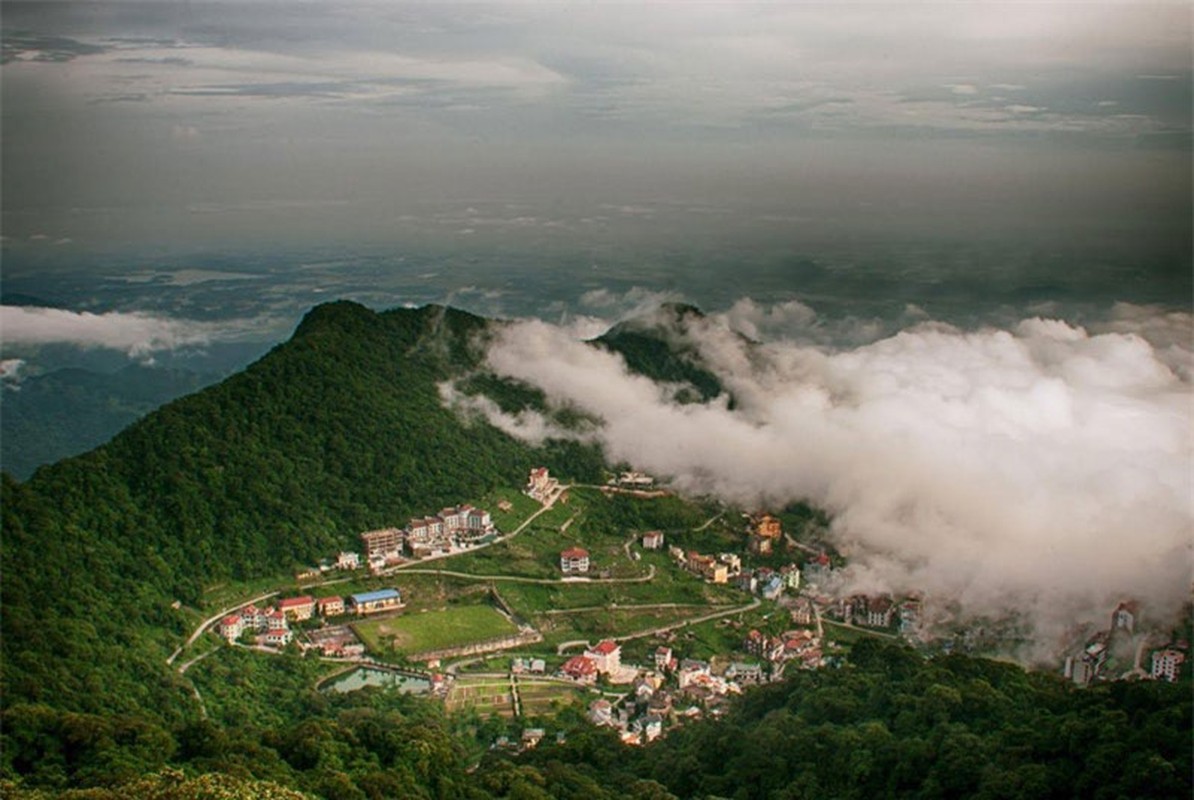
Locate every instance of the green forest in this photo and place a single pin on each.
(106, 559)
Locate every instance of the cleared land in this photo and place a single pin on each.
(486, 695)
(433, 630)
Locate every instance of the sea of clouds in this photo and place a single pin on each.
(1043, 470)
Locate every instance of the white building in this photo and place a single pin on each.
(1167, 664)
(607, 656)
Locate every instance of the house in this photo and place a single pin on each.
(664, 660)
(760, 545)
(254, 618)
(601, 712)
(708, 567)
(802, 611)
(817, 569)
(746, 581)
(791, 576)
(732, 561)
(330, 606)
(746, 674)
(374, 602)
(691, 671)
(653, 540)
(278, 638)
(880, 611)
(758, 644)
(276, 621)
(538, 666)
(531, 738)
(574, 561)
(540, 485)
(637, 480)
(231, 627)
(580, 669)
(383, 542)
(297, 608)
(773, 588)
(1124, 616)
(347, 560)
(1167, 664)
(652, 727)
(606, 656)
(766, 526)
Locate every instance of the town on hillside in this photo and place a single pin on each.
(792, 612)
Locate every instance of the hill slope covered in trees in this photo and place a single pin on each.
(336, 431)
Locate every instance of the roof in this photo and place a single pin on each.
(327, 601)
(291, 602)
(574, 552)
(231, 620)
(580, 665)
(605, 648)
(373, 597)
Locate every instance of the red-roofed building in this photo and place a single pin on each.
(607, 656)
(231, 627)
(276, 621)
(298, 608)
(278, 638)
(574, 560)
(580, 669)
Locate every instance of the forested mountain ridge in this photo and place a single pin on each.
(335, 431)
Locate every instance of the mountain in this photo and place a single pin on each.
(654, 345)
(336, 431)
(68, 411)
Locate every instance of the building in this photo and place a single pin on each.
(254, 618)
(802, 611)
(664, 660)
(348, 560)
(601, 712)
(635, 480)
(760, 545)
(606, 656)
(580, 669)
(1124, 616)
(330, 606)
(574, 561)
(652, 727)
(382, 543)
(1167, 664)
(297, 608)
(773, 588)
(653, 540)
(374, 602)
(880, 611)
(745, 674)
(791, 576)
(278, 638)
(540, 485)
(276, 621)
(231, 627)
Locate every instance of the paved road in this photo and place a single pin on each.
(563, 647)
(519, 579)
(212, 620)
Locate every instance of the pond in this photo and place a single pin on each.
(367, 676)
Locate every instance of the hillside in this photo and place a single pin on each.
(338, 430)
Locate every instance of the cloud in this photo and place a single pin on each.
(1042, 470)
(10, 372)
(135, 333)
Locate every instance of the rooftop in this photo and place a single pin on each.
(373, 597)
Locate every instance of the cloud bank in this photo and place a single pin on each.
(136, 333)
(1044, 469)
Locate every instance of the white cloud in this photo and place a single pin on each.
(1044, 469)
(135, 333)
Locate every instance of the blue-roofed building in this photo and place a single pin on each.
(373, 602)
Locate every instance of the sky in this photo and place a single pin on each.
(960, 234)
(137, 124)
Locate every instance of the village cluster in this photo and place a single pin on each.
(271, 627)
(670, 689)
(1093, 660)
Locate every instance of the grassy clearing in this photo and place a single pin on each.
(432, 630)
(594, 625)
(544, 698)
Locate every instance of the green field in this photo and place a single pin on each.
(485, 695)
(433, 630)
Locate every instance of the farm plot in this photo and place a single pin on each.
(485, 695)
(433, 630)
(545, 697)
